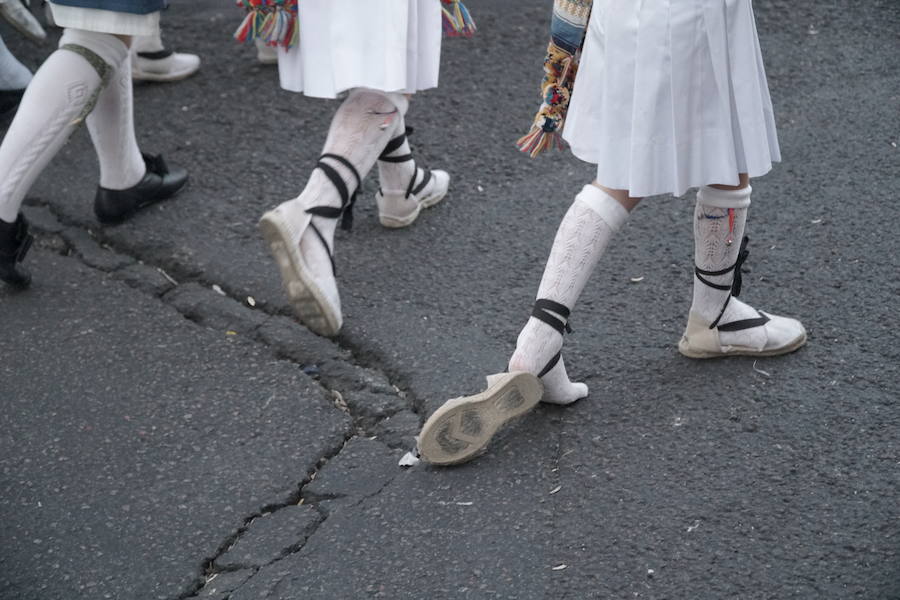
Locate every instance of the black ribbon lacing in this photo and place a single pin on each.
(540, 312)
(734, 290)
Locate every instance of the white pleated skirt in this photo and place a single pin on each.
(672, 94)
(105, 21)
(386, 45)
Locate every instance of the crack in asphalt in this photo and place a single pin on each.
(71, 251)
(58, 242)
(209, 569)
(298, 547)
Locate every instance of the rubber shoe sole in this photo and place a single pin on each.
(176, 69)
(685, 349)
(699, 341)
(462, 427)
(400, 222)
(306, 298)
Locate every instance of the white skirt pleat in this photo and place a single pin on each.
(672, 94)
(386, 45)
(105, 21)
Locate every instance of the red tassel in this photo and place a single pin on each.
(245, 32)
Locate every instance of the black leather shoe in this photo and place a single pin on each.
(9, 102)
(14, 244)
(160, 183)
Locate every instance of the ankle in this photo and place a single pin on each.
(708, 302)
(395, 177)
(536, 345)
(320, 191)
(396, 166)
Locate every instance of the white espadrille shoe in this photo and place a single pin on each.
(463, 427)
(763, 335)
(399, 208)
(315, 299)
(163, 66)
(739, 329)
(312, 289)
(265, 54)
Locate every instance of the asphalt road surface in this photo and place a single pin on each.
(168, 431)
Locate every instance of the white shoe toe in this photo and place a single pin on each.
(174, 67)
(396, 209)
(784, 334)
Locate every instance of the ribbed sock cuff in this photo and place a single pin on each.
(609, 209)
(716, 198)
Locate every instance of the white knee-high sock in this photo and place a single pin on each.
(719, 220)
(720, 217)
(359, 132)
(111, 125)
(59, 97)
(13, 74)
(582, 237)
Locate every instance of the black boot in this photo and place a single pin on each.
(14, 244)
(160, 183)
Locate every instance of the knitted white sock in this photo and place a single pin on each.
(583, 236)
(359, 131)
(719, 219)
(13, 74)
(147, 43)
(57, 100)
(395, 176)
(111, 126)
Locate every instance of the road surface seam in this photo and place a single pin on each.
(202, 303)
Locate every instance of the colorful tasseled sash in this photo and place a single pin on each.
(275, 21)
(567, 30)
(457, 20)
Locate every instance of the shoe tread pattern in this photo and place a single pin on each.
(302, 297)
(461, 428)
